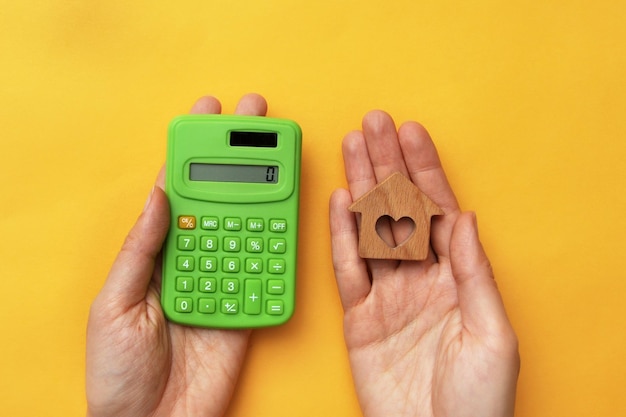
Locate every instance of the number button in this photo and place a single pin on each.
(183, 305)
(184, 284)
(230, 285)
(187, 222)
(208, 264)
(208, 243)
(184, 263)
(231, 265)
(232, 244)
(207, 285)
(254, 245)
(186, 242)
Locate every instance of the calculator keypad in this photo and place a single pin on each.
(230, 265)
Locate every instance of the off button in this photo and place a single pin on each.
(278, 225)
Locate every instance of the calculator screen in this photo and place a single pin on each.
(263, 174)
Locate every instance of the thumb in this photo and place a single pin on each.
(482, 309)
(133, 269)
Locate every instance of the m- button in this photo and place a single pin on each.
(278, 225)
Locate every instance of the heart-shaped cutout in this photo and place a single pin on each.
(395, 232)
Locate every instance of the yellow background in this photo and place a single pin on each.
(525, 100)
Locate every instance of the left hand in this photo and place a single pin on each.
(138, 363)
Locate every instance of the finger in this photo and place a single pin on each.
(482, 309)
(358, 167)
(206, 105)
(425, 170)
(350, 270)
(252, 105)
(383, 147)
(133, 268)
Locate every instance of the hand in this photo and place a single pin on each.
(139, 364)
(424, 338)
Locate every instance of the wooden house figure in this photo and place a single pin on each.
(396, 197)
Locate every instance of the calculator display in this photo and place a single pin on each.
(263, 174)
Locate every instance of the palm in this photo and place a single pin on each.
(154, 367)
(423, 336)
(392, 335)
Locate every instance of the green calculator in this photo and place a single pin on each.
(233, 183)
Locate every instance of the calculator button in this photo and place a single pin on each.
(254, 265)
(252, 296)
(187, 222)
(209, 223)
(232, 223)
(232, 244)
(183, 305)
(230, 306)
(278, 225)
(254, 245)
(277, 245)
(184, 284)
(186, 242)
(230, 285)
(255, 225)
(276, 266)
(231, 265)
(206, 305)
(184, 263)
(208, 264)
(207, 285)
(275, 286)
(275, 307)
(208, 243)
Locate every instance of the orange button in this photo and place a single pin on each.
(186, 222)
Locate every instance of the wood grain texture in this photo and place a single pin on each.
(396, 197)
